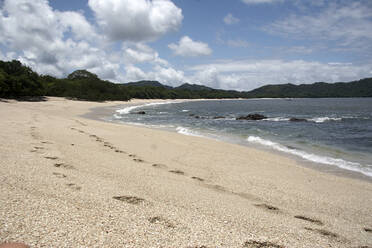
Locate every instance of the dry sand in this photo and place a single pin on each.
(67, 181)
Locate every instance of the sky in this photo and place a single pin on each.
(226, 44)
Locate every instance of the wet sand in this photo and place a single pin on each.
(69, 181)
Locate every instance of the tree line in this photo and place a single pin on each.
(20, 81)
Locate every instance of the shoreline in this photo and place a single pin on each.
(69, 181)
(100, 113)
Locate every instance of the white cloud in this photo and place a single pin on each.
(348, 24)
(139, 20)
(49, 41)
(230, 19)
(247, 75)
(141, 53)
(189, 48)
(260, 1)
(134, 73)
(56, 43)
(79, 26)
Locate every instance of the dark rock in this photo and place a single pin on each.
(252, 117)
(140, 113)
(297, 119)
(218, 117)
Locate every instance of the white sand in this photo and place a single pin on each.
(60, 175)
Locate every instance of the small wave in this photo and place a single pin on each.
(312, 157)
(315, 119)
(127, 110)
(186, 131)
(277, 119)
(117, 116)
(324, 119)
(185, 110)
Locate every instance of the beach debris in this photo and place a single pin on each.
(252, 117)
(368, 229)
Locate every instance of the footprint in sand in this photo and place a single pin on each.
(258, 244)
(73, 186)
(315, 221)
(218, 188)
(198, 179)
(162, 221)
(129, 199)
(178, 172)
(322, 232)
(51, 158)
(63, 165)
(59, 175)
(267, 207)
(138, 160)
(39, 148)
(81, 123)
(160, 166)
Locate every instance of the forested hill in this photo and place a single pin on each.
(360, 88)
(19, 81)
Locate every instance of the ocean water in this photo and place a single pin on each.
(337, 131)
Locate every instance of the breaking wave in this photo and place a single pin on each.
(312, 157)
(186, 131)
(127, 110)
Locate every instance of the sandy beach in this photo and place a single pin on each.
(71, 181)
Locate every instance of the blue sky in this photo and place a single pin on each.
(229, 44)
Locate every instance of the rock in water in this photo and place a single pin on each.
(252, 117)
(140, 113)
(297, 119)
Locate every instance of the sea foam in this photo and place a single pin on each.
(353, 166)
(324, 119)
(127, 110)
(186, 131)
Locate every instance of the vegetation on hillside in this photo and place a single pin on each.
(360, 88)
(19, 81)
